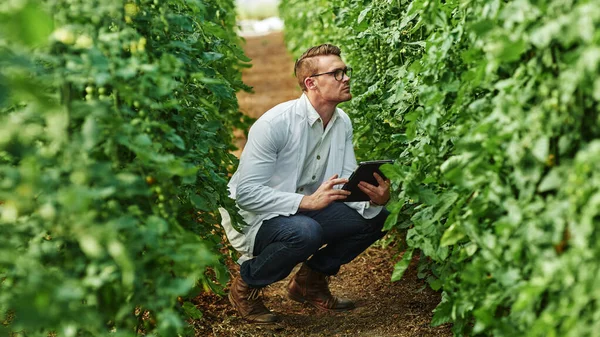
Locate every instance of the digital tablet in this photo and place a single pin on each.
(364, 172)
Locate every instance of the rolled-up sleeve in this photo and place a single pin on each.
(257, 167)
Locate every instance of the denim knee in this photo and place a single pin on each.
(306, 237)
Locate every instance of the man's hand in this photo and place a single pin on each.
(324, 195)
(379, 195)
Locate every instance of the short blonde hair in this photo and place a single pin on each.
(306, 66)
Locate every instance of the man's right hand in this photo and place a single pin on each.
(324, 195)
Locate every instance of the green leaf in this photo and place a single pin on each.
(507, 50)
(32, 25)
(541, 149)
(436, 284)
(454, 162)
(159, 225)
(212, 56)
(551, 181)
(176, 140)
(395, 173)
(200, 203)
(191, 310)
(447, 200)
(482, 27)
(391, 221)
(443, 312)
(90, 133)
(470, 248)
(363, 14)
(143, 140)
(427, 196)
(402, 265)
(452, 235)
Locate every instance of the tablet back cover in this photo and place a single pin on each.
(364, 172)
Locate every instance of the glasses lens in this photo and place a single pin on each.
(339, 74)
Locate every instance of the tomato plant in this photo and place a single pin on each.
(490, 111)
(115, 139)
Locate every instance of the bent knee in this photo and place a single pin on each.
(307, 235)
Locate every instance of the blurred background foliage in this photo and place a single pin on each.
(115, 137)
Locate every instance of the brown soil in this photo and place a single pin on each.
(384, 308)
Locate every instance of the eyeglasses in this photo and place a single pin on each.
(338, 74)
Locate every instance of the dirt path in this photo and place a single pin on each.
(384, 308)
(271, 76)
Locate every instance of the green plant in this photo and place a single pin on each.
(490, 110)
(115, 139)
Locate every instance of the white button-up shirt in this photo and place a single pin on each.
(317, 148)
(276, 163)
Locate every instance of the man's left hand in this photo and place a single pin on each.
(379, 195)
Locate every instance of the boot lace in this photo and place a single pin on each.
(256, 304)
(254, 294)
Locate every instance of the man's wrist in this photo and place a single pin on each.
(305, 203)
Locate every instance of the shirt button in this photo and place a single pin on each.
(314, 177)
(301, 189)
(318, 157)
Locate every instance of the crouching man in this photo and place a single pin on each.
(297, 156)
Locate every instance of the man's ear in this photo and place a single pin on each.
(310, 83)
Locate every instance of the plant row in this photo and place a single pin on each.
(490, 110)
(115, 139)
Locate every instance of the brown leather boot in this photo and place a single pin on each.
(248, 303)
(313, 287)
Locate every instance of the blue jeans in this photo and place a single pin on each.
(283, 242)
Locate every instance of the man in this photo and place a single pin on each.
(297, 157)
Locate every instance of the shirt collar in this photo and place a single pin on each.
(313, 116)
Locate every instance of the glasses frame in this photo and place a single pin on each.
(344, 73)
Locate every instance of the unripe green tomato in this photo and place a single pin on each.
(101, 90)
(161, 197)
(89, 97)
(136, 104)
(89, 89)
(142, 113)
(101, 97)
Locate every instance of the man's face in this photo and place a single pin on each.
(327, 86)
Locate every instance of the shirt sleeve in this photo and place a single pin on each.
(256, 168)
